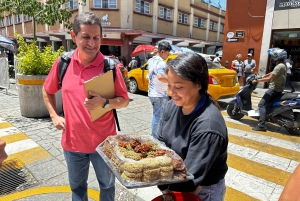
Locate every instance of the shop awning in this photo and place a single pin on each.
(112, 42)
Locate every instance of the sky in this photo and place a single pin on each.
(215, 3)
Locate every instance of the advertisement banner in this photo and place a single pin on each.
(287, 4)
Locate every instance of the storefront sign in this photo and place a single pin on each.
(232, 40)
(104, 21)
(239, 34)
(287, 4)
(230, 35)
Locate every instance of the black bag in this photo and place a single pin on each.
(63, 66)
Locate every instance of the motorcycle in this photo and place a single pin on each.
(279, 111)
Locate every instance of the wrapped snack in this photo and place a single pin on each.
(140, 161)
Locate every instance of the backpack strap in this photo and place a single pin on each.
(110, 65)
(63, 65)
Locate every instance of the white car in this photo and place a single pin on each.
(209, 57)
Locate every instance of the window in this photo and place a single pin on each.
(222, 28)
(71, 5)
(2, 23)
(183, 18)
(27, 18)
(110, 4)
(213, 26)
(18, 19)
(198, 22)
(164, 13)
(142, 7)
(9, 20)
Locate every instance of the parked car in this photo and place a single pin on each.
(122, 68)
(222, 82)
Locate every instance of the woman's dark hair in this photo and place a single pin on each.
(87, 18)
(192, 67)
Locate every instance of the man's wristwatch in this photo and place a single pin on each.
(106, 104)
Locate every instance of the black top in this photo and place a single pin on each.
(200, 139)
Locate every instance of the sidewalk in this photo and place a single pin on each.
(47, 166)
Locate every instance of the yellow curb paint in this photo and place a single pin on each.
(30, 155)
(5, 125)
(269, 133)
(15, 137)
(256, 169)
(93, 194)
(12, 163)
(31, 82)
(267, 148)
(232, 194)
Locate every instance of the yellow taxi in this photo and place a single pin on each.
(222, 81)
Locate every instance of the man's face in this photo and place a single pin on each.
(88, 41)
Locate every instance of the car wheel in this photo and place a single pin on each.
(133, 86)
(234, 115)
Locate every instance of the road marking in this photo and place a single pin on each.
(22, 145)
(5, 125)
(93, 194)
(246, 141)
(263, 158)
(15, 137)
(262, 171)
(234, 195)
(30, 155)
(252, 186)
(8, 131)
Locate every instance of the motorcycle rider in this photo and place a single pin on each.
(277, 80)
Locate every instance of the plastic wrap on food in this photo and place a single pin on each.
(141, 161)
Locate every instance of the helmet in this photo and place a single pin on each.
(277, 54)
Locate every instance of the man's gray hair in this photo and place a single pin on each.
(87, 18)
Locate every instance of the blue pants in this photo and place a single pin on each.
(158, 104)
(78, 170)
(215, 192)
(288, 80)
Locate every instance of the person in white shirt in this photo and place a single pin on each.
(249, 66)
(217, 59)
(289, 64)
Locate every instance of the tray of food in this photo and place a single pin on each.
(141, 161)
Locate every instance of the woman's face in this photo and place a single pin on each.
(184, 93)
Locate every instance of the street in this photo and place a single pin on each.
(259, 163)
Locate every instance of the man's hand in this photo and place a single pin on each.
(95, 101)
(254, 81)
(3, 154)
(59, 122)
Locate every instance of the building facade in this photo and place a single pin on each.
(257, 25)
(128, 23)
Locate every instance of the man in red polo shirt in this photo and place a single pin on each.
(80, 136)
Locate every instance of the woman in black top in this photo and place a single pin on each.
(194, 128)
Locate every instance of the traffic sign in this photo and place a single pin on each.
(232, 40)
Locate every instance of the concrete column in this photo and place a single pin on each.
(191, 22)
(219, 25)
(175, 17)
(126, 14)
(155, 16)
(207, 23)
(267, 34)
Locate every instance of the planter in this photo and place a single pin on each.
(31, 97)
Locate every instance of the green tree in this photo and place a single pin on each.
(42, 13)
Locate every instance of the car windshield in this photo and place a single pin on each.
(212, 65)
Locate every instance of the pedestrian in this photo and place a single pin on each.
(193, 126)
(289, 63)
(3, 54)
(158, 87)
(3, 154)
(217, 59)
(80, 135)
(132, 64)
(277, 80)
(238, 65)
(124, 61)
(249, 66)
(139, 64)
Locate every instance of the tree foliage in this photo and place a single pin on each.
(33, 61)
(41, 13)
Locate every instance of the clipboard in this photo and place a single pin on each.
(104, 86)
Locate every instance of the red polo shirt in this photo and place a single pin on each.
(81, 134)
